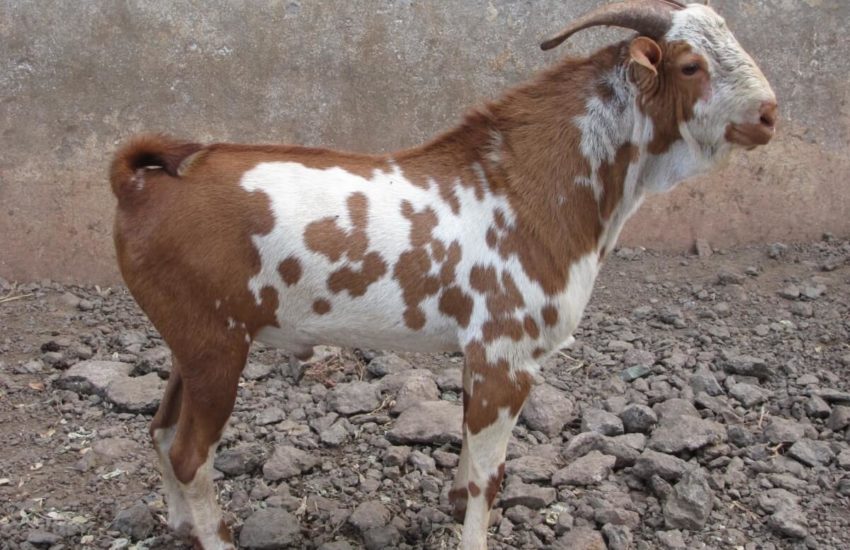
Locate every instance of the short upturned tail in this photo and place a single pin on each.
(155, 151)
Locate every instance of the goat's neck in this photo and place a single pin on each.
(573, 153)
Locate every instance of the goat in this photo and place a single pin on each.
(486, 240)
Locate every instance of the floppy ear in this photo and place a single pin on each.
(646, 52)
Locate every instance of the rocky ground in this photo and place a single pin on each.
(705, 404)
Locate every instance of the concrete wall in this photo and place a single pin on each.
(368, 75)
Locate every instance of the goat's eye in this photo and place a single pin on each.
(690, 69)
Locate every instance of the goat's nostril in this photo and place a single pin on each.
(768, 113)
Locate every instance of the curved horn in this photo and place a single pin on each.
(650, 18)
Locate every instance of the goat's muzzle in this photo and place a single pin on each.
(753, 134)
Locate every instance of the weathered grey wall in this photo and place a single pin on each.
(368, 75)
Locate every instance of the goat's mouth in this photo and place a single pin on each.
(749, 135)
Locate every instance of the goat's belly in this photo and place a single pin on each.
(374, 320)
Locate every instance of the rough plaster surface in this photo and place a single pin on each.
(77, 78)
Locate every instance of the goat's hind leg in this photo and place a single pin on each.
(209, 384)
(162, 431)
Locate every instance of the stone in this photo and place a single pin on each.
(703, 380)
(590, 469)
(415, 390)
(547, 409)
(531, 468)
(156, 359)
(690, 503)
(270, 415)
(718, 405)
(839, 418)
(636, 441)
(40, 537)
(666, 466)
(422, 462)
(369, 515)
(380, 538)
(431, 422)
(675, 408)
(616, 516)
(287, 461)
(633, 373)
(396, 455)
(672, 539)
(257, 371)
(243, 459)
(811, 453)
(686, 433)
(140, 394)
(776, 250)
(354, 397)
(813, 291)
(583, 443)
(129, 338)
(336, 434)
(783, 430)
(788, 523)
(740, 436)
(747, 365)
(270, 529)
(728, 276)
(843, 459)
(111, 449)
(776, 499)
(748, 395)
(638, 418)
(445, 459)
(832, 396)
(92, 377)
(526, 494)
(30, 367)
(789, 292)
(638, 357)
(580, 538)
(388, 363)
(450, 380)
(802, 309)
(602, 422)
(135, 522)
(618, 537)
(816, 407)
(703, 248)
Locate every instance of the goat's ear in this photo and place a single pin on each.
(646, 52)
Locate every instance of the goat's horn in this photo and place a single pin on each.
(650, 18)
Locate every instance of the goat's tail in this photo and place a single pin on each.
(146, 151)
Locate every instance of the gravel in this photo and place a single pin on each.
(697, 408)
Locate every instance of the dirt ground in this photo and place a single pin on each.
(750, 344)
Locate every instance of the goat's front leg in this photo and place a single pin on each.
(497, 389)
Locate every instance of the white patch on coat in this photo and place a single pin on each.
(300, 195)
(605, 126)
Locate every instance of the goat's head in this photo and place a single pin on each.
(692, 77)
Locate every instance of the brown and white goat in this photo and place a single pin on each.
(486, 240)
